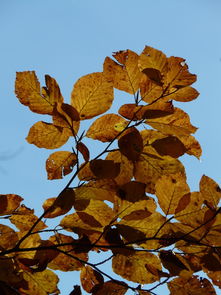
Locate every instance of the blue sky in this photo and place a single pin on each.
(68, 39)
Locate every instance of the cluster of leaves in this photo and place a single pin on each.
(132, 199)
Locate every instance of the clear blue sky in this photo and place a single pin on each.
(70, 38)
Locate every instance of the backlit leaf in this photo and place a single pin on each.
(126, 167)
(169, 190)
(9, 203)
(92, 95)
(46, 135)
(64, 262)
(82, 148)
(125, 74)
(60, 164)
(90, 279)
(103, 128)
(170, 146)
(176, 124)
(133, 267)
(183, 94)
(182, 286)
(104, 168)
(27, 89)
(8, 237)
(211, 192)
(149, 90)
(41, 283)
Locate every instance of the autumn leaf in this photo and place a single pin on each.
(27, 89)
(103, 128)
(9, 203)
(90, 279)
(92, 95)
(60, 164)
(133, 267)
(111, 288)
(125, 74)
(170, 146)
(131, 144)
(46, 135)
(8, 237)
(184, 94)
(82, 148)
(170, 191)
(210, 191)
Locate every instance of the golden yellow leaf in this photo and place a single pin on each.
(9, 203)
(40, 283)
(178, 74)
(60, 164)
(131, 144)
(171, 191)
(103, 128)
(192, 145)
(24, 218)
(111, 288)
(210, 190)
(183, 286)
(133, 267)
(32, 241)
(90, 279)
(155, 110)
(176, 124)
(126, 167)
(93, 218)
(152, 58)
(151, 166)
(63, 262)
(149, 90)
(60, 205)
(8, 237)
(125, 74)
(183, 94)
(27, 89)
(92, 95)
(46, 135)
(101, 189)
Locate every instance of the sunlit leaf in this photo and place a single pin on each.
(8, 237)
(46, 135)
(27, 89)
(182, 286)
(133, 267)
(183, 94)
(125, 74)
(211, 192)
(111, 288)
(90, 279)
(64, 262)
(171, 191)
(9, 203)
(92, 95)
(103, 128)
(176, 124)
(60, 164)
(149, 90)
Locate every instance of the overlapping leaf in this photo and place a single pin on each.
(9, 203)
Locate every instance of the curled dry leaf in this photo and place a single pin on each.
(60, 164)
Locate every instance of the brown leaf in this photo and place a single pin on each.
(60, 205)
(125, 74)
(90, 279)
(46, 135)
(76, 290)
(92, 95)
(27, 89)
(8, 237)
(150, 91)
(132, 191)
(104, 168)
(170, 146)
(131, 144)
(9, 203)
(133, 268)
(126, 167)
(82, 148)
(103, 128)
(210, 190)
(111, 288)
(60, 164)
